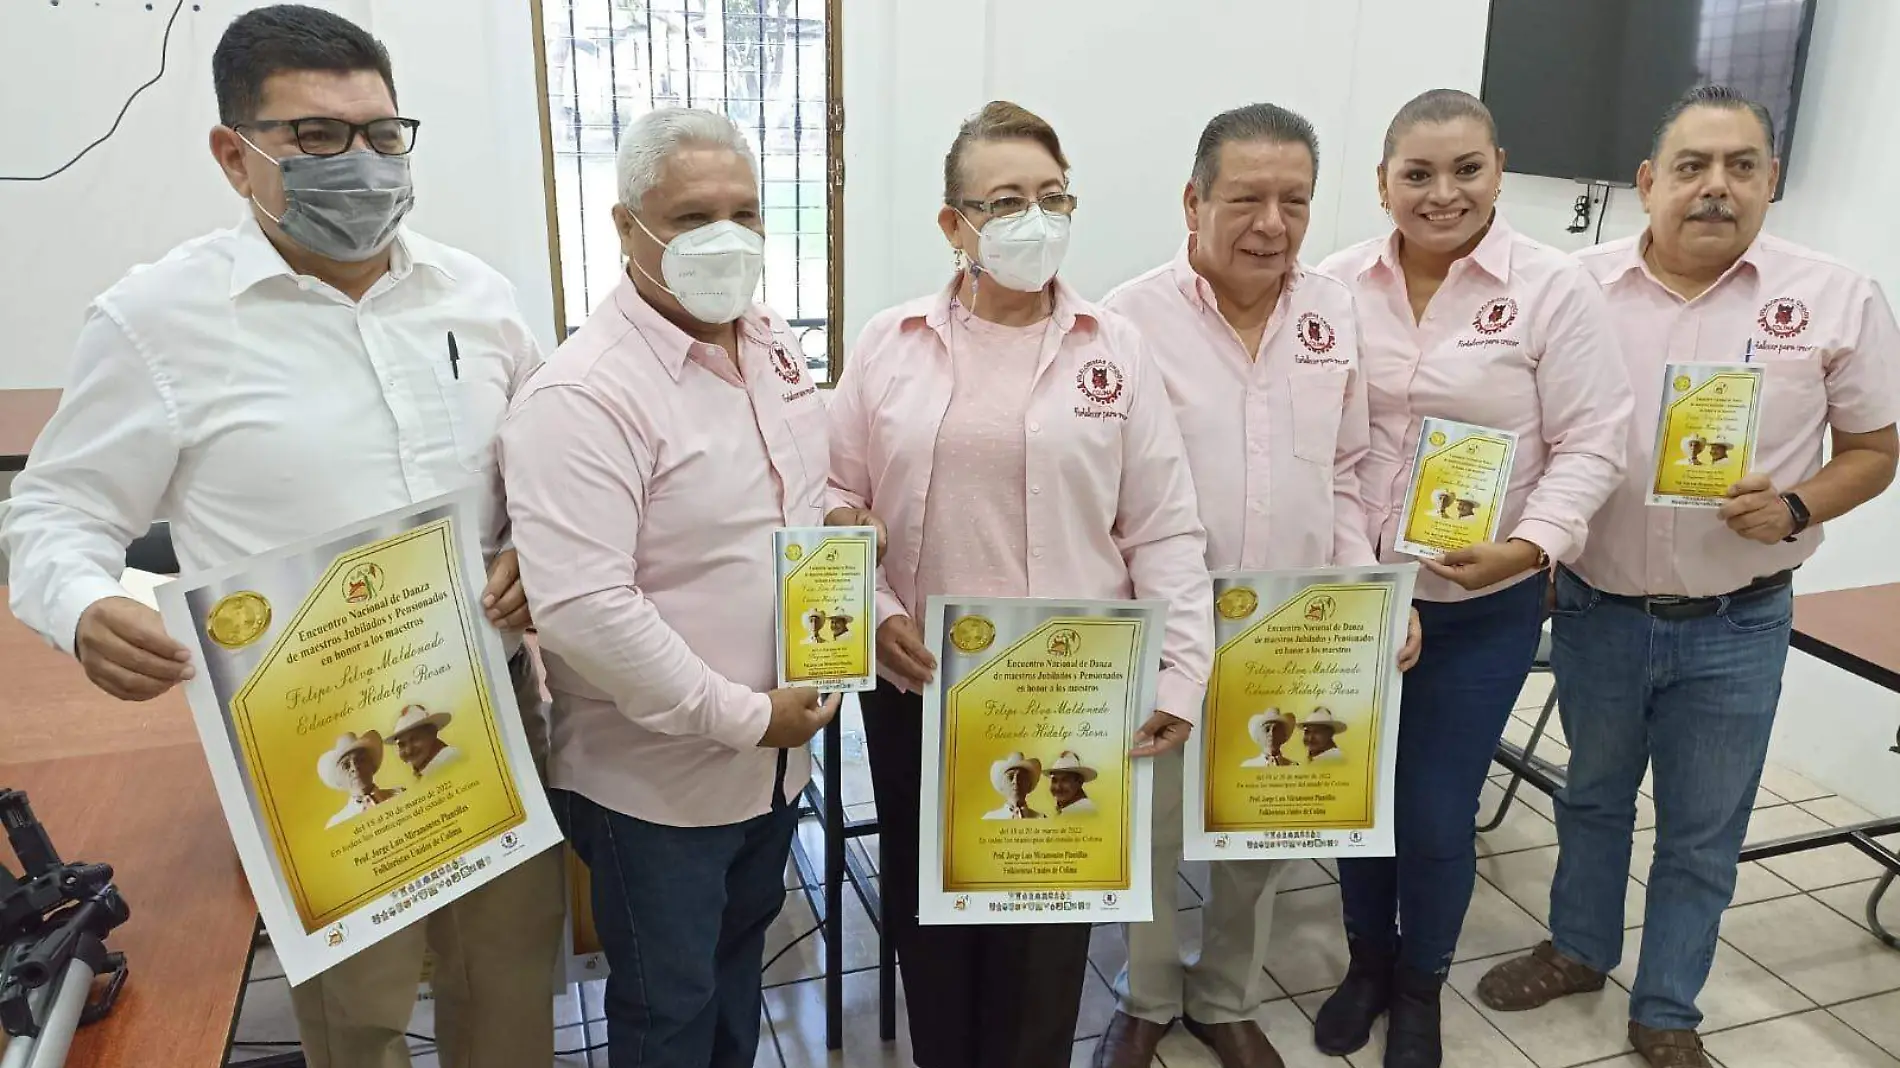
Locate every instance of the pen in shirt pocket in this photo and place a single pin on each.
(455, 358)
(1747, 356)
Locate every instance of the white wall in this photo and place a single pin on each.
(1129, 83)
(464, 68)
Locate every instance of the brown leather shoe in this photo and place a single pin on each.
(1669, 1049)
(1536, 979)
(1129, 1043)
(1238, 1045)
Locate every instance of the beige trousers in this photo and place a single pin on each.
(1226, 980)
(496, 954)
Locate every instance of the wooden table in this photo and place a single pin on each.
(23, 414)
(127, 785)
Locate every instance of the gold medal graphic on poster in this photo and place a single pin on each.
(972, 634)
(238, 620)
(1437, 439)
(794, 552)
(1237, 603)
(1683, 383)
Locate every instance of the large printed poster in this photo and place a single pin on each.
(361, 728)
(1033, 811)
(1295, 752)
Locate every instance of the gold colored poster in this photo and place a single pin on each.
(1033, 810)
(1705, 432)
(361, 727)
(1295, 751)
(1456, 496)
(827, 609)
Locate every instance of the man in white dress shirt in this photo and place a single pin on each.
(310, 367)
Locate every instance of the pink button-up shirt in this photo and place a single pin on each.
(1273, 436)
(1517, 338)
(1109, 499)
(646, 474)
(1825, 338)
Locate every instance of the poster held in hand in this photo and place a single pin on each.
(1296, 749)
(1032, 809)
(357, 713)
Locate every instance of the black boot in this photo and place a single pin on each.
(1344, 1023)
(1412, 1036)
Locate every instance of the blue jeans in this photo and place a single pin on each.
(1695, 697)
(1472, 665)
(682, 914)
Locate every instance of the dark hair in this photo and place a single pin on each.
(1253, 122)
(1434, 106)
(999, 120)
(287, 37)
(1713, 96)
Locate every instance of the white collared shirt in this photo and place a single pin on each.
(253, 407)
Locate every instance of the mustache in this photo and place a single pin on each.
(1711, 210)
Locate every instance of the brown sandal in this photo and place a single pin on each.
(1533, 981)
(1669, 1049)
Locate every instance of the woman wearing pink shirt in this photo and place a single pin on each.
(1018, 442)
(1462, 318)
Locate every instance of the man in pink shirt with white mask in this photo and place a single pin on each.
(1671, 630)
(1261, 361)
(653, 457)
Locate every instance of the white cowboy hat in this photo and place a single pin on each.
(1070, 762)
(413, 716)
(1014, 760)
(1258, 725)
(1321, 716)
(330, 764)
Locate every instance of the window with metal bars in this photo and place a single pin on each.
(761, 62)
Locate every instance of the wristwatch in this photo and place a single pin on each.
(1798, 510)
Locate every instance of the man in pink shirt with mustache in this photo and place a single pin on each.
(1261, 360)
(1671, 630)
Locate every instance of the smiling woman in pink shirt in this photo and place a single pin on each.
(1018, 442)
(1462, 318)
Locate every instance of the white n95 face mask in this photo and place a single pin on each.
(1023, 252)
(713, 271)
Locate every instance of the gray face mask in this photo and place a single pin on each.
(344, 208)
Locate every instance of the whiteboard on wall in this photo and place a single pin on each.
(465, 69)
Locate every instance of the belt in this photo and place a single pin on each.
(1677, 608)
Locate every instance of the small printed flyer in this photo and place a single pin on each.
(1456, 498)
(1705, 432)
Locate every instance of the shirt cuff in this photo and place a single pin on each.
(888, 606)
(746, 726)
(1546, 536)
(72, 604)
(1179, 696)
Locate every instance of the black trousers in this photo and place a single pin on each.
(978, 996)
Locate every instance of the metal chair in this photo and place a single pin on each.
(1521, 761)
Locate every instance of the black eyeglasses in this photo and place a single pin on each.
(332, 137)
(1010, 207)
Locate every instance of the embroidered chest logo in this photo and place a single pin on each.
(1316, 334)
(1783, 317)
(1100, 381)
(1495, 315)
(784, 364)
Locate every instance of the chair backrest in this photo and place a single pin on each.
(152, 551)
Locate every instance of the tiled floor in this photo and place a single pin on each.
(1797, 981)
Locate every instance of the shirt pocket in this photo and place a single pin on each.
(1318, 395)
(809, 426)
(1794, 397)
(474, 396)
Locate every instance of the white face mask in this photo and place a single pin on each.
(713, 271)
(1023, 252)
